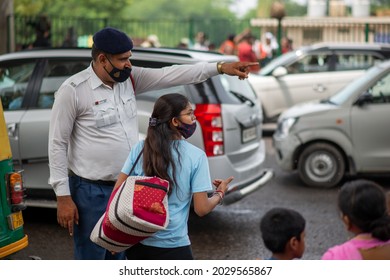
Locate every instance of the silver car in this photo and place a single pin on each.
(313, 73)
(228, 114)
(349, 133)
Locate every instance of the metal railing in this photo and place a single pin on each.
(302, 31)
(169, 32)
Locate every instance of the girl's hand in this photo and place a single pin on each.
(222, 185)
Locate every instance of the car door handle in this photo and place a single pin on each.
(12, 129)
(319, 88)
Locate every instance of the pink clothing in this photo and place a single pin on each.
(246, 54)
(350, 249)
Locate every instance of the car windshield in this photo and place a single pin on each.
(282, 60)
(340, 97)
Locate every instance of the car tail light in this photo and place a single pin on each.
(16, 191)
(210, 119)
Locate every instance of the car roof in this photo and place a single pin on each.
(159, 54)
(351, 46)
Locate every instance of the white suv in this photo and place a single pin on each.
(227, 112)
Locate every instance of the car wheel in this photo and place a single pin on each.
(321, 165)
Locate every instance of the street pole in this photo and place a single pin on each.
(278, 12)
(7, 26)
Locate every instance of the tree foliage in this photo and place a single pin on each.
(71, 8)
(163, 9)
(126, 9)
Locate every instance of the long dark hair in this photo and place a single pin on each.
(157, 155)
(364, 203)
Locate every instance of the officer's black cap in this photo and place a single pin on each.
(112, 41)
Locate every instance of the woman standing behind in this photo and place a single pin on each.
(364, 212)
(167, 155)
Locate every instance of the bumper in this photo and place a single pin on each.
(284, 151)
(239, 192)
(14, 247)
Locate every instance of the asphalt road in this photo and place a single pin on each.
(229, 232)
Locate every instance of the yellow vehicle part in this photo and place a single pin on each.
(5, 151)
(14, 247)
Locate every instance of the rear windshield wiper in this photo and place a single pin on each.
(243, 98)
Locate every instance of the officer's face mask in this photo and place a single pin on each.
(118, 75)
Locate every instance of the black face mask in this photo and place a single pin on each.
(118, 75)
(186, 130)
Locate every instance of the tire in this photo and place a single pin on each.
(321, 165)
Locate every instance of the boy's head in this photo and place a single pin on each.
(283, 232)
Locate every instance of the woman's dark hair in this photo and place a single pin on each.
(364, 203)
(278, 226)
(158, 143)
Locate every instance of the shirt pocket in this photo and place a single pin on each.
(105, 113)
(129, 106)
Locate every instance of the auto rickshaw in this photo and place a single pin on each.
(12, 193)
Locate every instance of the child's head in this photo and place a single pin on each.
(172, 118)
(283, 233)
(363, 206)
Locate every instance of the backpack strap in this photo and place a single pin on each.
(135, 163)
(132, 82)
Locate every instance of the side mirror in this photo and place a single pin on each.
(364, 98)
(279, 71)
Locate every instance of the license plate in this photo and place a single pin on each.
(249, 134)
(15, 220)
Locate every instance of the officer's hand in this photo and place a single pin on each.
(67, 214)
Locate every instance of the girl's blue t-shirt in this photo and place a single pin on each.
(193, 176)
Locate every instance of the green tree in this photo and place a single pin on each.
(72, 8)
(126, 9)
(163, 9)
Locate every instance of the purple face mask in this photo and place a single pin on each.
(187, 129)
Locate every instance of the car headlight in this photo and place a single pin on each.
(285, 125)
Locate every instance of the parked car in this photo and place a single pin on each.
(228, 114)
(348, 133)
(313, 73)
(12, 237)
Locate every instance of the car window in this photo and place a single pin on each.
(355, 61)
(380, 92)
(14, 78)
(56, 72)
(201, 93)
(282, 60)
(311, 63)
(153, 95)
(343, 95)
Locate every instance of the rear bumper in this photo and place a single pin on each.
(14, 247)
(241, 191)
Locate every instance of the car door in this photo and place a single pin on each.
(16, 84)
(33, 130)
(371, 129)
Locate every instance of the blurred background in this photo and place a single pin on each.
(176, 23)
